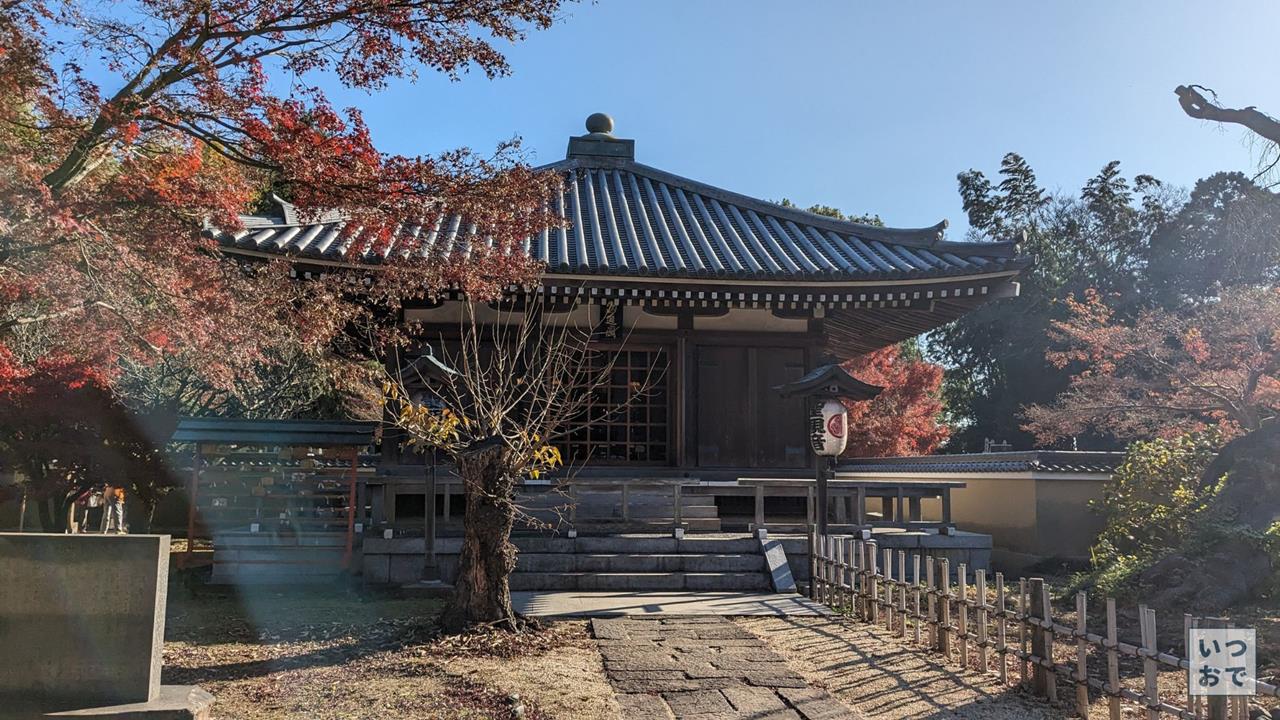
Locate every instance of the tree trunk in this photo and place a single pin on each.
(482, 594)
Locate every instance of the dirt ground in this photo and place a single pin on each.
(277, 656)
(880, 677)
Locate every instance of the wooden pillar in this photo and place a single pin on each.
(196, 458)
(759, 507)
(823, 506)
(677, 501)
(429, 521)
(860, 507)
(349, 548)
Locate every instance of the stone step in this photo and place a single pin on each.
(639, 544)
(614, 526)
(619, 562)
(632, 581)
(606, 509)
(656, 544)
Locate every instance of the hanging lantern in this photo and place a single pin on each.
(828, 430)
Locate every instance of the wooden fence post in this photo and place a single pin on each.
(850, 570)
(1002, 648)
(813, 565)
(1151, 693)
(1113, 662)
(888, 588)
(1082, 655)
(984, 658)
(1023, 618)
(1188, 624)
(1042, 679)
(902, 592)
(859, 588)
(873, 596)
(822, 568)
(1215, 705)
(944, 607)
(962, 590)
(826, 569)
(931, 597)
(915, 596)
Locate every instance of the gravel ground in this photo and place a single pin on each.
(327, 657)
(566, 682)
(880, 677)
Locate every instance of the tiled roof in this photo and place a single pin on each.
(625, 219)
(1049, 461)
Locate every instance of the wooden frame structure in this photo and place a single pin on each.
(900, 502)
(204, 434)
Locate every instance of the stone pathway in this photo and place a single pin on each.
(574, 603)
(703, 668)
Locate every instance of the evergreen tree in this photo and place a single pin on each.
(996, 355)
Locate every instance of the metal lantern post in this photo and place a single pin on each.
(823, 389)
(428, 369)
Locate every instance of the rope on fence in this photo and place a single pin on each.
(846, 574)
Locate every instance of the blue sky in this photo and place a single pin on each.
(868, 106)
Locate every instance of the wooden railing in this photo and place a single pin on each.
(573, 487)
(900, 502)
(1014, 623)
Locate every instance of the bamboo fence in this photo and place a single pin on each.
(1010, 624)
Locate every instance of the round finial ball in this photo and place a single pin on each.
(599, 123)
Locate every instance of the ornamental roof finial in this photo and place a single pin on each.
(599, 124)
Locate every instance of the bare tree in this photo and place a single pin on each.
(523, 382)
(1202, 103)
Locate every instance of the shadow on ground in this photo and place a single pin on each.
(882, 677)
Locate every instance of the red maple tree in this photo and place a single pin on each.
(105, 194)
(904, 419)
(1167, 371)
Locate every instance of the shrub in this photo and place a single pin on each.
(1150, 506)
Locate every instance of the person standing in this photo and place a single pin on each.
(113, 511)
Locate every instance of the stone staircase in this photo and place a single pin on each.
(647, 509)
(640, 563)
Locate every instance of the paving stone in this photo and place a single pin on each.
(754, 700)
(776, 680)
(636, 664)
(703, 702)
(816, 704)
(764, 665)
(644, 707)
(703, 668)
(707, 671)
(656, 686)
(607, 629)
(647, 674)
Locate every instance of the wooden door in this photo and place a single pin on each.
(780, 421)
(723, 408)
(741, 421)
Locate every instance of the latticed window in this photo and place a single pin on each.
(627, 419)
